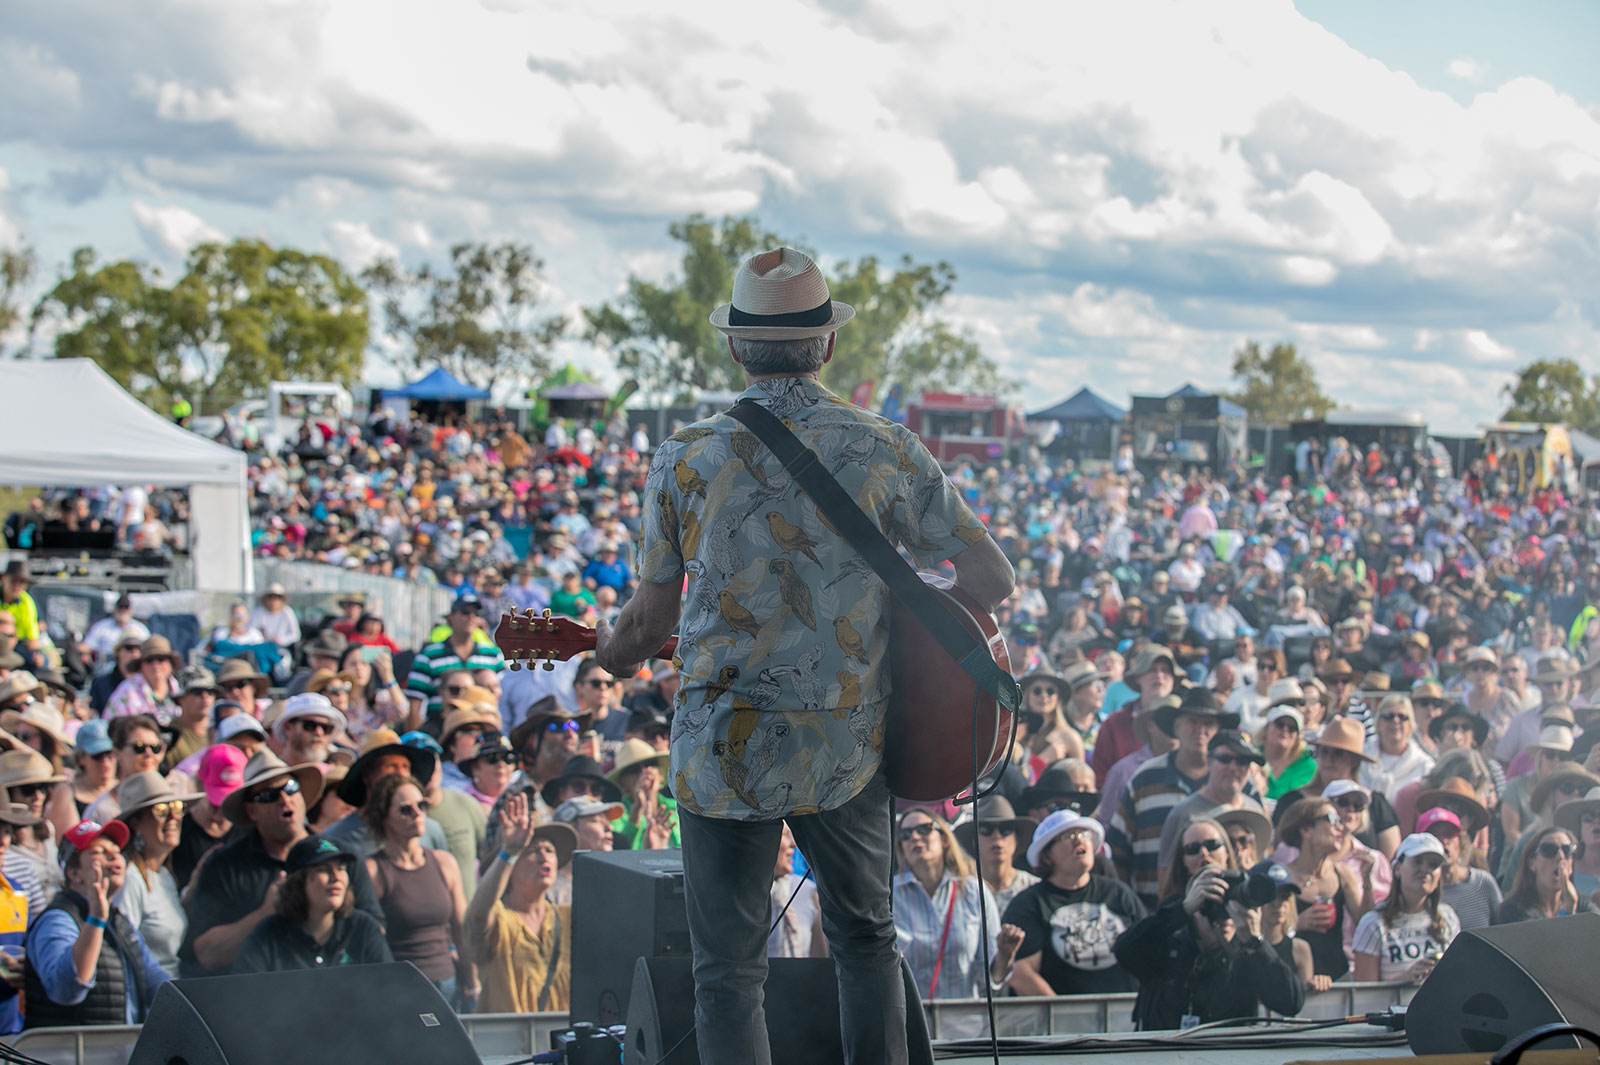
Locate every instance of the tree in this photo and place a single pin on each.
(1555, 391)
(16, 270)
(476, 317)
(241, 316)
(660, 333)
(1278, 387)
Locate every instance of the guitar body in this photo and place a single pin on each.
(928, 741)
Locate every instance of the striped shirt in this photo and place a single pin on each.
(437, 659)
(919, 926)
(1134, 834)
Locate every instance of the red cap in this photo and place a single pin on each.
(83, 834)
(1437, 816)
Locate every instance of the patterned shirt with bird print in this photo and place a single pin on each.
(784, 637)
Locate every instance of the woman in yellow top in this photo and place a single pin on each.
(522, 943)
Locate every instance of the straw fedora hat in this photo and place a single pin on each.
(265, 767)
(1254, 823)
(235, 669)
(16, 813)
(1285, 692)
(780, 295)
(1570, 815)
(159, 647)
(42, 716)
(143, 790)
(1557, 739)
(1456, 794)
(993, 810)
(637, 753)
(1562, 776)
(1344, 734)
(26, 766)
(1336, 669)
(20, 682)
(1553, 669)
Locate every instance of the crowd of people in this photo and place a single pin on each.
(1368, 691)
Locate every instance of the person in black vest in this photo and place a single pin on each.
(86, 963)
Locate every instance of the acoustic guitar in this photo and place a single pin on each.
(930, 735)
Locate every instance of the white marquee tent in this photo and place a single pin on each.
(68, 424)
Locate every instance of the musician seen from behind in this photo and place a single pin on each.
(783, 658)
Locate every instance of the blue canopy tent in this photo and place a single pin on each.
(1088, 425)
(439, 386)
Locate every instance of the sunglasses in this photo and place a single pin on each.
(28, 791)
(561, 726)
(1571, 787)
(909, 833)
(164, 811)
(414, 809)
(996, 830)
(1551, 849)
(1041, 690)
(1244, 843)
(498, 757)
(1429, 702)
(146, 748)
(232, 684)
(1357, 803)
(1392, 717)
(337, 689)
(600, 683)
(1226, 759)
(455, 689)
(1210, 846)
(271, 795)
(1589, 817)
(1076, 806)
(320, 728)
(1330, 817)
(1267, 665)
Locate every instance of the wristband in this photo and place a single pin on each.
(94, 922)
(505, 855)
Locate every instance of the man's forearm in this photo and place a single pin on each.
(642, 627)
(216, 948)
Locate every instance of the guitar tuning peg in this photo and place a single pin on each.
(546, 611)
(515, 665)
(549, 666)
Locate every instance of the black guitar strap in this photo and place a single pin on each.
(860, 533)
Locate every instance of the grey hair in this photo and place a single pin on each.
(1462, 762)
(781, 356)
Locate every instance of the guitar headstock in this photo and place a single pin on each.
(528, 638)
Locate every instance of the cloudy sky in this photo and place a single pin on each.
(1407, 189)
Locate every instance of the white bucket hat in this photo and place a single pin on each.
(1063, 821)
(780, 295)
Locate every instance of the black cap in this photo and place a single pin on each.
(466, 602)
(315, 850)
(1230, 739)
(1219, 589)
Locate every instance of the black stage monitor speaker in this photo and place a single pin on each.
(626, 905)
(1493, 984)
(344, 1015)
(802, 1008)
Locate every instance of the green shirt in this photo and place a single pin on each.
(627, 836)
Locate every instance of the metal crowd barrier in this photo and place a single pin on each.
(503, 1037)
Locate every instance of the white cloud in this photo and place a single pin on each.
(1127, 190)
(357, 247)
(172, 229)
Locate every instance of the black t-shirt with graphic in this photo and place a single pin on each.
(1073, 931)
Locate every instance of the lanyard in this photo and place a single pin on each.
(550, 966)
(938, 963)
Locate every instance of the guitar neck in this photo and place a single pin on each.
(530, 638)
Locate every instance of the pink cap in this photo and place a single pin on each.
(1437, 815)
(221, 771)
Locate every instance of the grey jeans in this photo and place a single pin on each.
(727, 868)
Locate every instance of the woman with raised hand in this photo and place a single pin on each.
(520, 941)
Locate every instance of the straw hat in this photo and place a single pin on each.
(463, 715)
(1456, 794)
(147, 789)
(158, 647)
(1553, 669)
(235, 669)
(20, 682)
(42, 716)
(321, 678)
(1285, 691)
(16, 813)
(26, 766)
(1557, 739)
(1344, 734)
(780, 295)
(635, 754)
(1570, 815)
(263, 768)
(1337, 669)
(1253, 822)
(1564, 774)
(1146, 660)
(993, 810)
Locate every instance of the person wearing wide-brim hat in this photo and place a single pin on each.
(42, 727)
(1340, 752)
(1196, 702)
(1452, 728)
(546, 738)
(19, 687)
(523, 954)
(1570, 816)
(1564, 784)
(1457, 796)
(1241, 824)
(467, 719)
(236, 675)
(153, 813)
(995, 837)
(382, 753)
(1153, 674)
(27, 778)
(264, 769)
(581, 775)
(642, 797)
(149, 689)
(1058, 788)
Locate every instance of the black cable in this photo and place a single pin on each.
(673, 1049)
